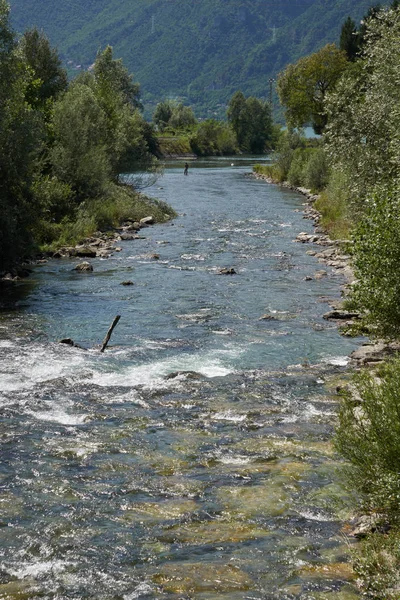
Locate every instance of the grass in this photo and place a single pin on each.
(103, 214)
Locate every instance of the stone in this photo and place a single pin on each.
(85, 252)
(68, 341)
(320, 274)
(226, 271)
(373, 353)
(83, 267)
(338, 315)
(187, 374)
(128, 282)
(147, 221)
(268, 317)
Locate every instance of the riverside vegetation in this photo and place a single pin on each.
(66, 147)
(63, 147)
(350, 95)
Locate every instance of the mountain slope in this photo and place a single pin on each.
(199, 50)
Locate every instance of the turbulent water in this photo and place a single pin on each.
(119, 482)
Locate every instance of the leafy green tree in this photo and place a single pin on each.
(113, 77)
(237, 116)
(250, 119)
(162, 114)
(377, 256)
(79, 156)
(128, 136)
(49, 77)
(363, 135)
(182, 117)
(303, 87)
(21, 141)
(213, 138)
(349, 40)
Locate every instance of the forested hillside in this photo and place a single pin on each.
(199, 50)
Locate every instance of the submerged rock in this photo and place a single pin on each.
(187, 374)
(226, 271)
(83, 267)
(68, 341)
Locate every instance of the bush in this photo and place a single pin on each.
(316, 174)
(368, 436)
(333, 204)
(377, 259)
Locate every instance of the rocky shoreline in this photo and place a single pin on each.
(333, 254)
(100, 245)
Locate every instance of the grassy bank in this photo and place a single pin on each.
(101, 214)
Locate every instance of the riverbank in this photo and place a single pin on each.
(97, 229)
(370, 400)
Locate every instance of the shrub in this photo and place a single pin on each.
(316, 174)
(368, 436)
(377, 259)
(333, 204)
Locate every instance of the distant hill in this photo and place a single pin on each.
(200, 51)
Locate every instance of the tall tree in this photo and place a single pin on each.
(349, 40)
(20, 145)
(49, 77)
(250, 119)
(302, 87)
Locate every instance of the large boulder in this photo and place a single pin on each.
(85, 252)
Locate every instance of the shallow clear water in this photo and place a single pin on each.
(118, 482)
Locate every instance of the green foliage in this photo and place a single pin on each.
(213, 138)
(162, 114)
(333, 204)
(368, 436)
(364, 119)
(174, 116)
(21, 143)
(49, 79)
(79, 155)
(317, 172)
(377, 565)
(302, 87)
(250, 119)
(377, 255)
(349, 40)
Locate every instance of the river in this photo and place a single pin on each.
(119, 482)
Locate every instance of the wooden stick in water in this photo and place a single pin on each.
(109, 332)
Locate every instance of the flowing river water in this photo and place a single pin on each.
(119, 482)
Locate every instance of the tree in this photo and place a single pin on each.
(79, 156)
(250, 119)
(21, 141)
(162, 114)
(182, 117)
(364, 118)
(113, 77)
(349, 40)
(237, 116)
(118, 96)
(302, 87)
(49, 78)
